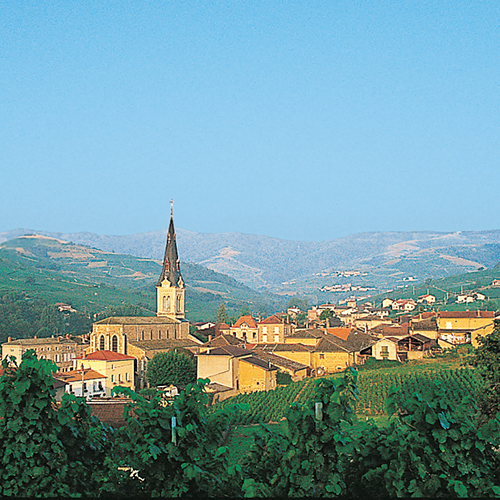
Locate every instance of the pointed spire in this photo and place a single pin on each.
(171, 268)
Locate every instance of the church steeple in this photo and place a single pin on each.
(170, 286)
(171, 266)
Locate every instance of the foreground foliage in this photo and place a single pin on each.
(434, 445)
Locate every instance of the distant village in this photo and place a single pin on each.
(249, 354)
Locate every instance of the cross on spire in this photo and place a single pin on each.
(171, 208)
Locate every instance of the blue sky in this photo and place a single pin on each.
(299, 120)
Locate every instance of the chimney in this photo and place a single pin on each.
(209, 338)
(9, 339)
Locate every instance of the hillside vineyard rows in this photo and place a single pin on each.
(271, 406)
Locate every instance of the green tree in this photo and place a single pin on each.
(180, 457)
(45, 449)
(222, 316)
(487, 361)
(51, 318)
(301, 303)
(172, 367)
(326, 314)
(245, 311)
(434, 447)
(306, 461)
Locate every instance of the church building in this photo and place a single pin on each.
(144, 336)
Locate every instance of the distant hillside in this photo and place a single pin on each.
(446, 290)
(387, 259)
(93, 279)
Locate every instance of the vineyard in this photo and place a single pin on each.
(373, 386)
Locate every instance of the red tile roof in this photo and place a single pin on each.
(245, 319)
(466, 314)
(107, 356)
(110, 410)
(341, 333)
(76, 375)
(272, 320)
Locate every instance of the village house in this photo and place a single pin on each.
(274, 329)
(245, 328)
(387, 302)
(236, 369)
(400, 348)
(457, 327)
(403, 305)
(117, 368)
(85, 383)
(369, 322)
(428, 299)
(333, 349)
(61, 350)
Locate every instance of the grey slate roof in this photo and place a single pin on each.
(279, 361)
(171, 265)
(253, 360)
(137, 320)
(284, 347)
(223, 340)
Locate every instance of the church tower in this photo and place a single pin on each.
(170, 288)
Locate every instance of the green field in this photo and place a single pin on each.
(373, 387)
(269, 407)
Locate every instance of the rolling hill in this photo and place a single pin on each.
(385, 259)
(93, 279)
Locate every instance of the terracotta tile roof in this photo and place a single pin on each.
(110, 410)
(106, 356)
(341, 333)
(245, 319)
(272, 320)
(466, 314)
(426, 324)
(76, 375)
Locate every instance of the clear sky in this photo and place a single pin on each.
(304, 120)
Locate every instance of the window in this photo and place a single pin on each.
(119, 377)
(168, 304)
(276, 329)
(101, 343)
(112, 378)
(384, 351)
(264, 329)
(321, 356)
(159, 334)
(126, 377)
(264, 338)
(276, 338)
(114, 343)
